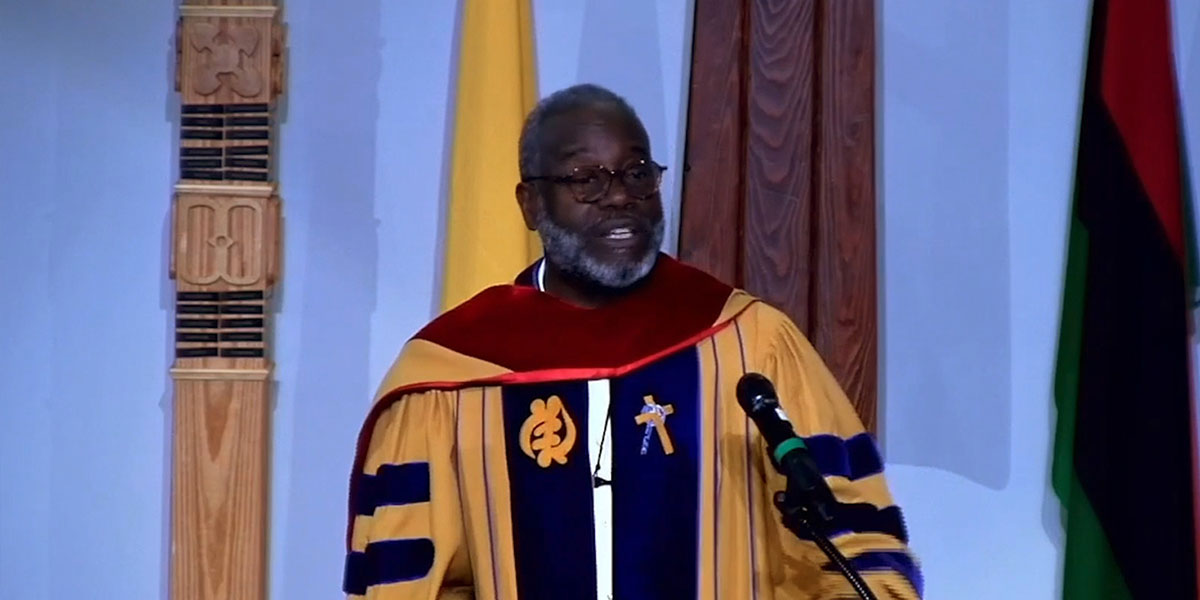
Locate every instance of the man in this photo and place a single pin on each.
(576, 434)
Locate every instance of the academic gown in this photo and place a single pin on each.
(478, 473)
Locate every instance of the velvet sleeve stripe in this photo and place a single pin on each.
(853, 458)
(388, 561)
(393, 485)
(866, 518)
(896, 561)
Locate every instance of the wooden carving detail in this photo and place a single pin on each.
(221, 239)
(228, 57)
(226, 219)
(225, 52)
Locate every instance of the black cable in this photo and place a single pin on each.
(597, 480)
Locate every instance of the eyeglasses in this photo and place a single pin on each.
(589, 184)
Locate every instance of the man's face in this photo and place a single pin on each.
(612, 241)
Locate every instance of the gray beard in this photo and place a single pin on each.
(566, 250)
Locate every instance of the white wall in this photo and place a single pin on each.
(85, 163)
(979, 118)
(86, 168)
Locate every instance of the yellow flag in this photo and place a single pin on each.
(486, 240)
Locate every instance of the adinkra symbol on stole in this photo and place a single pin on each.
(548, 434)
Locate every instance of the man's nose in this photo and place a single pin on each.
(617, 196)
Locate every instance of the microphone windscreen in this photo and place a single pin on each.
(753, 389)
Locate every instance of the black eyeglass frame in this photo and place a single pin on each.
(574, 178)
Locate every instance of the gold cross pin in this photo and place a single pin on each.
(654, 417)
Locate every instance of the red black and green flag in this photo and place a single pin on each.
(1125, 454)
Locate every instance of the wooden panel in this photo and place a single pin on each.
(780, 198)
(710, 215)
(845, 303)
(778, 163)
(224, 260)
(219, 505)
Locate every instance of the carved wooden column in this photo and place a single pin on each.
(225, 263)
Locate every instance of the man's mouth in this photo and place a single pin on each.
(620, 229)
(619, 233)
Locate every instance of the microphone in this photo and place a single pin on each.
(789, 454)
(807, 503)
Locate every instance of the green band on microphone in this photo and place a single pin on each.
(787, 446)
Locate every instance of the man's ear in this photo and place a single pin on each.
(527, 200)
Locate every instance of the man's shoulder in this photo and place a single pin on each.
(764, 314)
(491, 303)
(507, 304)
(765, 329)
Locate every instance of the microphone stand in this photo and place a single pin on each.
(798, 516)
